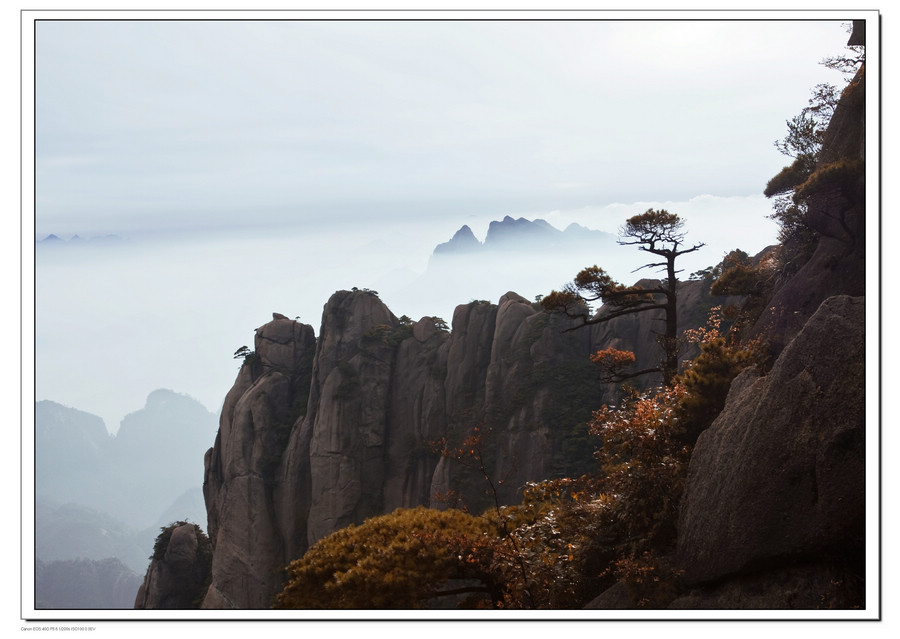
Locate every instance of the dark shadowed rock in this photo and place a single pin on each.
(806, 587)
(417, 418)
(615, 597)
(779, 476)
(352, 373)
(838, 212)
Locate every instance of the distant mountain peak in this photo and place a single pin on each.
(510, 229)
(522, 234)
(463, 241)
(76, 240)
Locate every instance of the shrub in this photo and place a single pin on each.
(399, 560)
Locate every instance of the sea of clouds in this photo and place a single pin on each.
(117, 319)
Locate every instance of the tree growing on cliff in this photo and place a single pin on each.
(657, 232)
(791, 187)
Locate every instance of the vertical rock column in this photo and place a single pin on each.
(241, 469)
(351, 378)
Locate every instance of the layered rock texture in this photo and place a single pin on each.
(318, 434)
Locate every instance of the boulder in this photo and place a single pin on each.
(178, 576)
(779, 477)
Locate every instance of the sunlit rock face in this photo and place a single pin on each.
(779, 477)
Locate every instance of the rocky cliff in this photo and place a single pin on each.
(774, 508)
(320, 433)
(317, 434)
(836, 210)
(773, 514)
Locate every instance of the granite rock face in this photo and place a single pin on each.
(318, 434)
(177, 579)
(348, 424)
(241, 470)
(779, 477)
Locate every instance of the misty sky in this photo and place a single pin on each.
(257, 167)
(145, 125)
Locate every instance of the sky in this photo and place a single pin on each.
(251, 167)
(162, 125)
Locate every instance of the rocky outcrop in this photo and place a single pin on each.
(790, 587)
(348, 423)
(418, 416)
(773, 512)
(779, 478)
(179, 572)
(241, 470)
(836, 209)
(318, 434)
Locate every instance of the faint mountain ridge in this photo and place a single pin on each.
(55, 241)
(87, 584)
(522, 234)
(463, 241)
(134, 479)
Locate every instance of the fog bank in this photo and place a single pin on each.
(118, 319)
